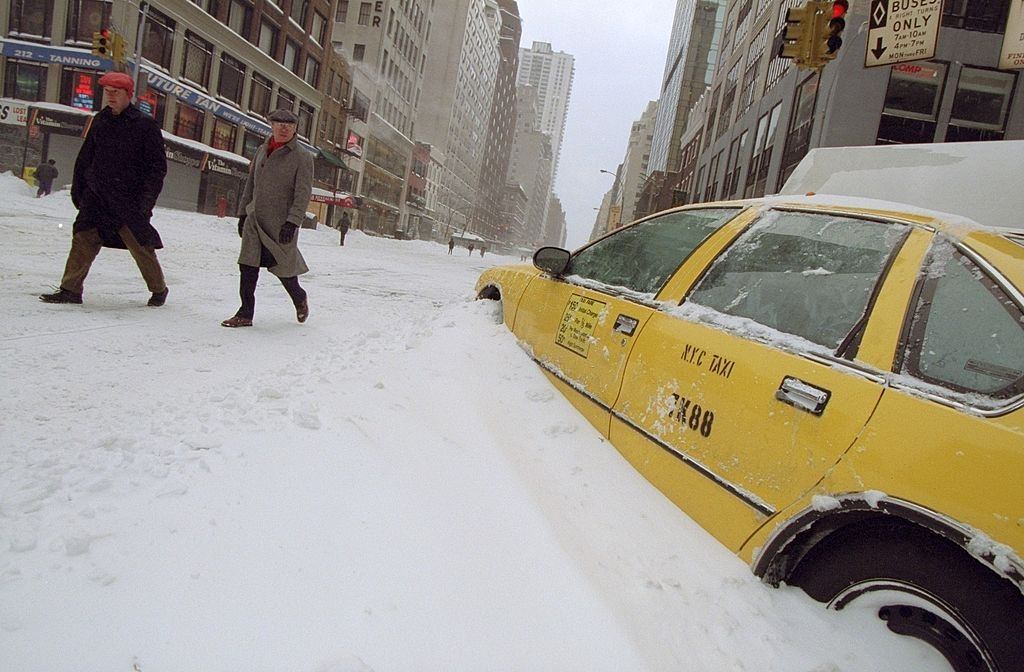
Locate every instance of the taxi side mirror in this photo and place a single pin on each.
(553, 260)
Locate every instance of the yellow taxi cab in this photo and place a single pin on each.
(834, 391)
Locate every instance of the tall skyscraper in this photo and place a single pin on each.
(689, 66)
(550, 73)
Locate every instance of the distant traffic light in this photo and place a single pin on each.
(118, 48)
(102, 43)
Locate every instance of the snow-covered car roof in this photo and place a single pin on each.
(976, 180)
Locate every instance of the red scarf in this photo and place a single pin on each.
(271, 146)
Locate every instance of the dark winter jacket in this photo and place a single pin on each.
(118, 176)
(46, 173)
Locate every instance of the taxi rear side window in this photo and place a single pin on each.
(966, 333)
(644, 256)
(807, 274)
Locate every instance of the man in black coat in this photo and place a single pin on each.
(119, 173)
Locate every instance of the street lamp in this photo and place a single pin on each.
(606, 172)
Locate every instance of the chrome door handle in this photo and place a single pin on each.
(624, 324)
(804, 396)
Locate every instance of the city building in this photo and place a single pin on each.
(209, 71)
(550, 73)
(531, 166)
(385, 43)
(460, 74)
(763, 114)
(491, 222)
(689, 65)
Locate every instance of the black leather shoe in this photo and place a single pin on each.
(61, 296)
(302, 311)
(158, 298)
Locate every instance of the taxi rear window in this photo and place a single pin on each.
(642, 257)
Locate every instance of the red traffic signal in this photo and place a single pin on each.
(836, 25)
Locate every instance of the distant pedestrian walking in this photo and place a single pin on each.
(482, 250)
(471, 249)
(118, 176)
(272, 206)
(46, 173)
(343, 226)
(451, 245)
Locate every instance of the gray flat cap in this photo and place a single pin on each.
(283, 116)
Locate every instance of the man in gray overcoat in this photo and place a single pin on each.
(270, 211)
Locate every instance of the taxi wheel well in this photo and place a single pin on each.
(838, 563)
(830, 531)
(490, 292)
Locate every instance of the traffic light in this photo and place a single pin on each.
(836, 24)
(118, 48)
(797, 33)
(102, 43)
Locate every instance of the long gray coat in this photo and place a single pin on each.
(277, 191)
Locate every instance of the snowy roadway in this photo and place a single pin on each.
(392, 486)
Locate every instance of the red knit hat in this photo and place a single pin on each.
(119, 80)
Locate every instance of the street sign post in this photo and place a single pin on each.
(900, 31)
(1011, 57)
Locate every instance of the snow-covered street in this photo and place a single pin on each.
(392, 486)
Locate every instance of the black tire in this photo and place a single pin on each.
(973, 617)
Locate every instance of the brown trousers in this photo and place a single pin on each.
(86, 245)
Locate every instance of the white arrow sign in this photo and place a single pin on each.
(900, 31)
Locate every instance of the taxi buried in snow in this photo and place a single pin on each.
(835, 392)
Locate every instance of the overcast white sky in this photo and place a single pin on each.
(620, 54)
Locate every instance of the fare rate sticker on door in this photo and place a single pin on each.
(576, 331)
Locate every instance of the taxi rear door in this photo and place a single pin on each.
(581, 327)
(739, 400)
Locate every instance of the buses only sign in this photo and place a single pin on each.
(902, 30)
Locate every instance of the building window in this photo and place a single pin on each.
(188, 122)
(31, 18)
(358, 52)
(318, 27)
(196, 59)
(360, 106)
(268, 38)
(761, 153)
(250, 143)
(305, 125)
(232, 78)
(980, 105)
(364, 13)
(223, 136)
(153, 103)
(259, 94)
(298, 12)
(911, 103)
(342, 12)
(291, 55)
(25, 80)
(159, 35)
(85, 17)
(731, 183)
(81, 89)
(988, 16)
(798, 141)
(285, 100)
(312, 74)
(239, 17)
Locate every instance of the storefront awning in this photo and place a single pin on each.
(330, 158)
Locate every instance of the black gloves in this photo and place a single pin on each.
(241, 223)
(287, 233)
